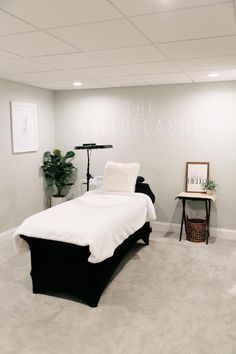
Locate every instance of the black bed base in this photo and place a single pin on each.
(59, 267)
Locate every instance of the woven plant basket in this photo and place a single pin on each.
(195, 230)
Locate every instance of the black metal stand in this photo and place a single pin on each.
(90, 147)
(88, 175)
(208, 211)
(183, 220)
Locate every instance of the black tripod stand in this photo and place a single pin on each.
(90, 147)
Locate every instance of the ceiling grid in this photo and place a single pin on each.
(114, 43)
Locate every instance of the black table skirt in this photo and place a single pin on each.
(59, 267)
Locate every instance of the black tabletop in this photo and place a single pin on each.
(92, 146)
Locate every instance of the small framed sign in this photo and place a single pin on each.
(196, 174)
(24, 127)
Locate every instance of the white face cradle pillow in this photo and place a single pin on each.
(120, 177)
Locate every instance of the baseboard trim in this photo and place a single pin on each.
(163, 227)
(227, 234)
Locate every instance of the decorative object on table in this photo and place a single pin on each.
(89, 147)
(24, 127)
(209, 186)
(196, 174)
(59, 172)
(196, 230)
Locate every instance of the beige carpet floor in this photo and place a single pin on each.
(169, 298)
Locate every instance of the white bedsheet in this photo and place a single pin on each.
(101, 220)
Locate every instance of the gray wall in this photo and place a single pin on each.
(21, 187)
(161, 127)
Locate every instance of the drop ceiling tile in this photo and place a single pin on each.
(201, 76)
(68, 61)
(21, 65)
(97, 86)
(106, 71)
(158, 79)
(46, 76)
(10, 24)
(150, 68)
(209, 47)
(34, 44)
(115, 53)
(207, 63)
(62, 85)
(103, 35)
(6, 55)
(55, 13)
(140, 7)
(199, 22)
(140, 54)
(131, 84)
(124, 80)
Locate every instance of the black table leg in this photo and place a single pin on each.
(183, 220)
(208, 212)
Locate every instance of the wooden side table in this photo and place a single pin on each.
(203, 197)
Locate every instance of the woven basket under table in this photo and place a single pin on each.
(195, 230)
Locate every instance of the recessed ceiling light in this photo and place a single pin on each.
(77, 83)
(213, 75)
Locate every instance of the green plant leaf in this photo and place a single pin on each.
(57, 170)
(57, 152)
(69, 155)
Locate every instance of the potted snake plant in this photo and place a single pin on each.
(59, 173)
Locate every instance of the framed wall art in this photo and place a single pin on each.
(196, 174)
(24, 127)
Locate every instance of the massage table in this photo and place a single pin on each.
(62, 269)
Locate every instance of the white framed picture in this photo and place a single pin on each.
(196, 174)
(24, 127)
